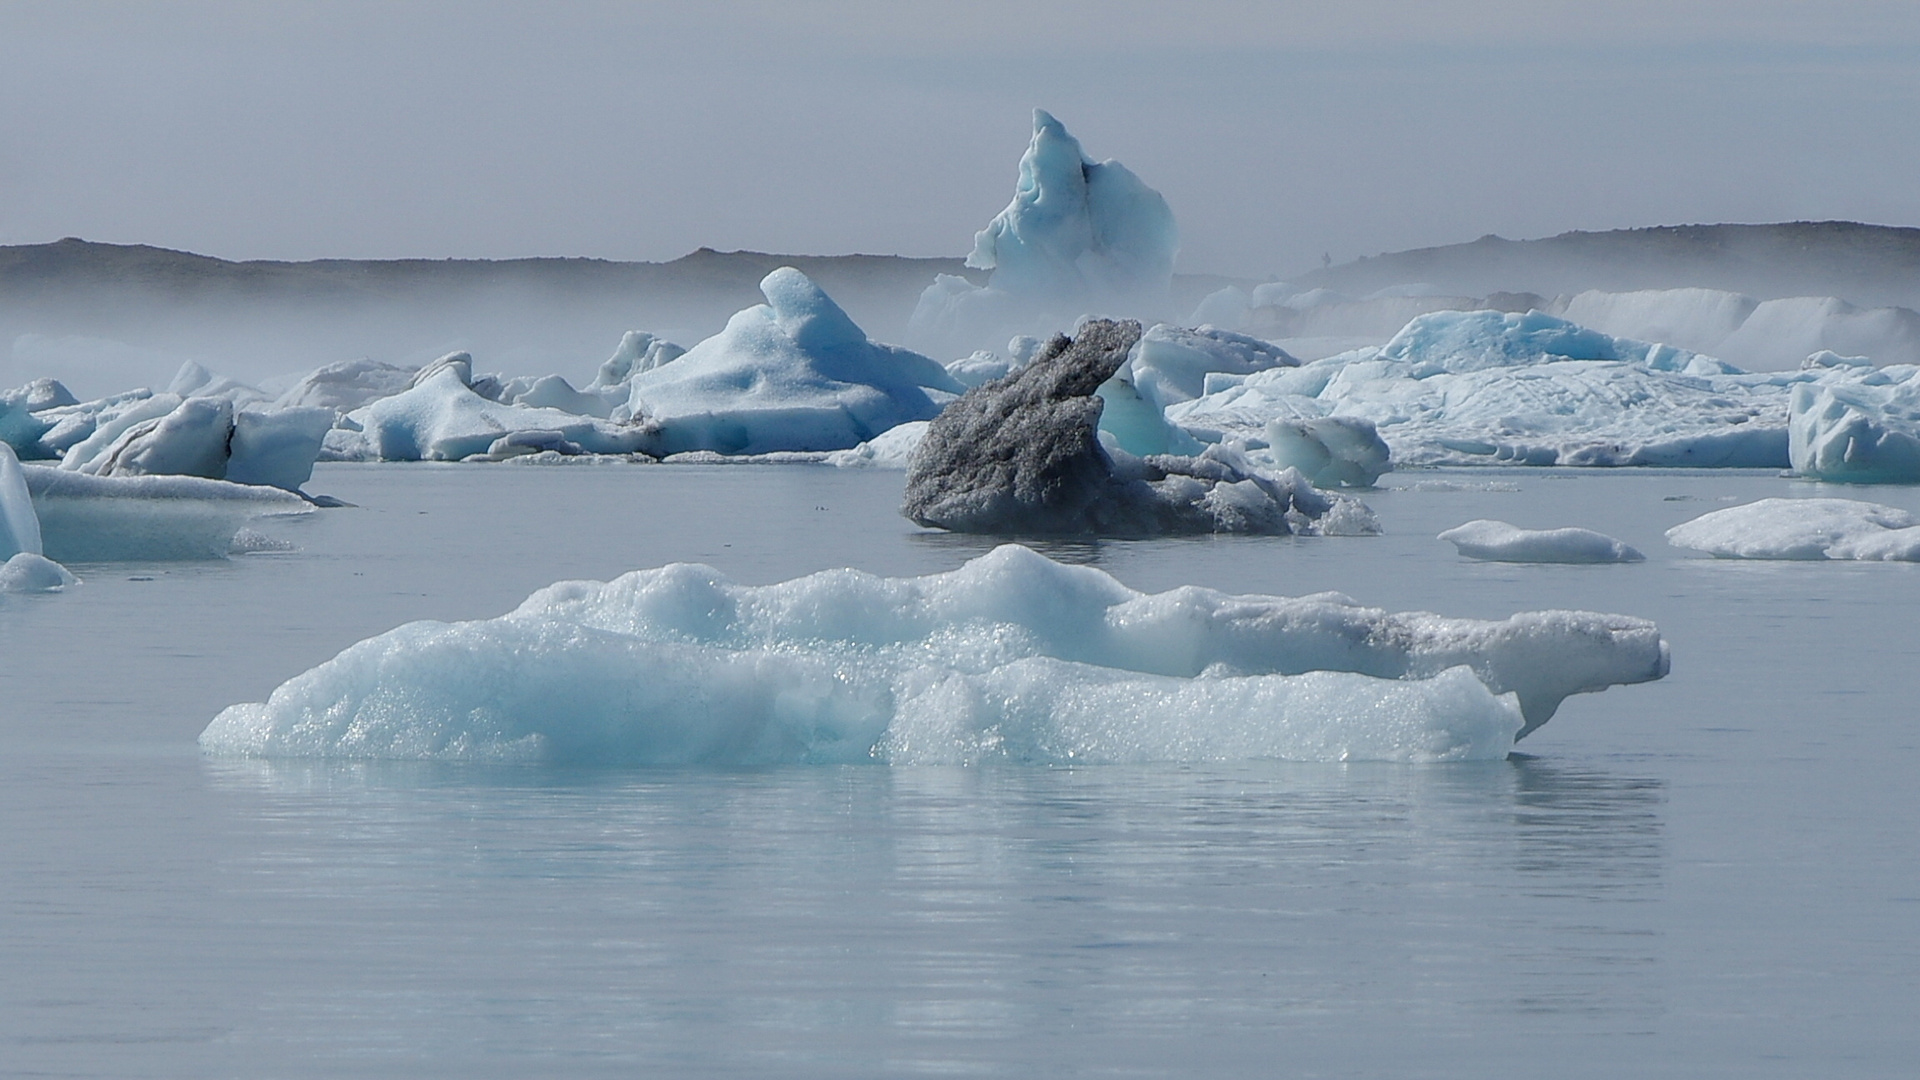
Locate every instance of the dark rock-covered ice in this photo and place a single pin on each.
(1022, 455)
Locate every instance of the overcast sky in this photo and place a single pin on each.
(1277, 130)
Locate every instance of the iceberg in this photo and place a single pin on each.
(1860, 425)
(1497, 541)
(443, 417)
(20, 428)
(1010, 657)
(1491, 387)
(204, 436)
(792, 374)
(1023, 456)
(1803, 529)
(139, 518)
(1078, 236)
(19, 523)
(23, 568)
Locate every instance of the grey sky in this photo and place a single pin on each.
(640, 131)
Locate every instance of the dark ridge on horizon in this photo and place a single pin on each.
(1871, 265)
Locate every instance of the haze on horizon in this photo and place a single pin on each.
(1277, 131)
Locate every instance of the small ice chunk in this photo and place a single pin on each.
(1330, 451)
(1803, 529)
(26, 572)
(1497, 541)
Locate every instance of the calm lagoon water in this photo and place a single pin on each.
(1714, 875)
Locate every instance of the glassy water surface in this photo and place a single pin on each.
(1716, 874)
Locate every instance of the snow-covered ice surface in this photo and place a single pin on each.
(1704, 876)
(1802, 529)
(1498, 541)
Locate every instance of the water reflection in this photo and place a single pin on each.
(762, 914)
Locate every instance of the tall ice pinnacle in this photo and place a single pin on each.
(1079, 236)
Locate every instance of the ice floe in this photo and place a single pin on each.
(1803, 529)
(1012, 656)
(1497, 541)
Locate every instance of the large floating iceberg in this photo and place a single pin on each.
(1485, 387)
(1804, 529)
(1023, 455)
(1012, 656)
(1078, 236)
(794, 373)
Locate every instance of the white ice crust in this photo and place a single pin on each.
(1497, 541)
(1804, 529)
(1012, 656)
(794, 373)
(1078, 236)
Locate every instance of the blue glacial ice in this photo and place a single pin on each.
(793, 374)
(1078, 236)
(1804, 530)
(1012, 656)
(1497, 541)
